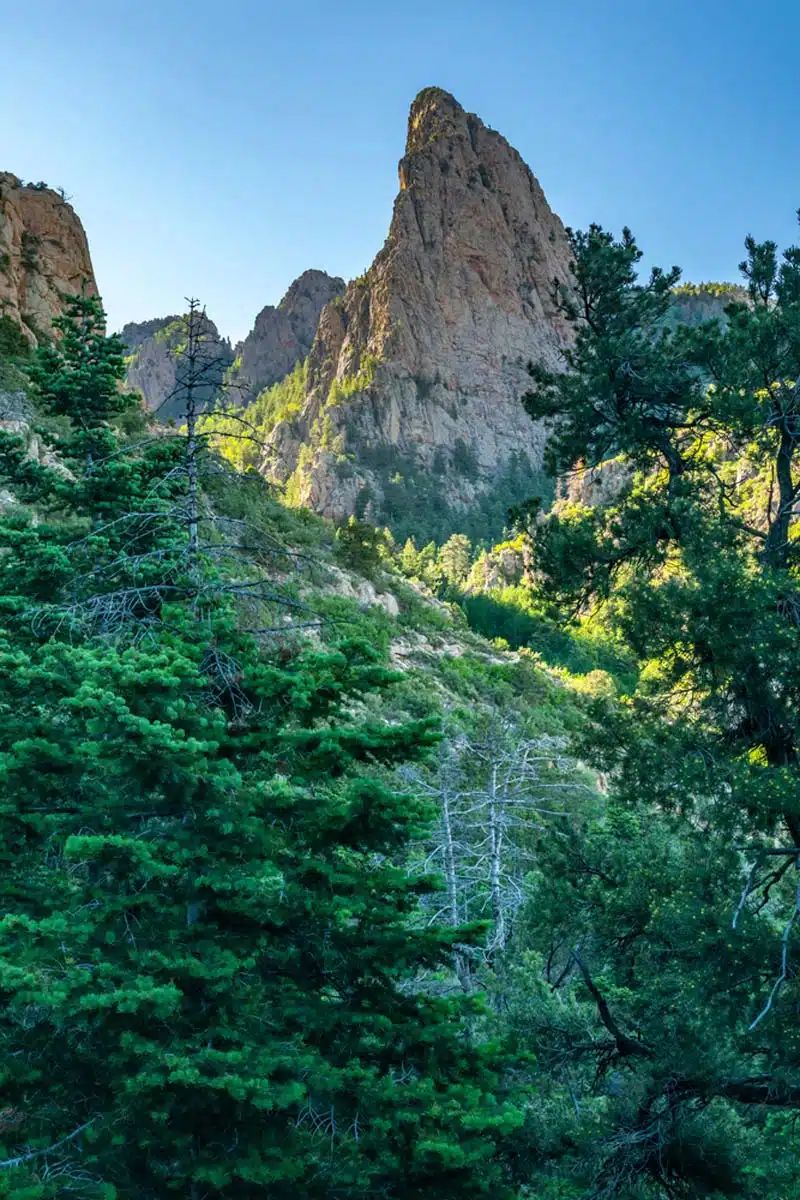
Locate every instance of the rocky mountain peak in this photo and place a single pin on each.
(416, 374)
(282, 335)
(308, 289)
(44, 254)
(153, 362)
(434, 113)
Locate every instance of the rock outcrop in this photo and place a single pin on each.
(416, 373)
(136, 333)
(693, 303)
(154, 361)
(43, 254)
(281, 336)
(505, 565)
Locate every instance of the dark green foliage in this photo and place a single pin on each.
(464, 460)
(414, 504)
(671, 915)
(228, 1015)
(603, 399)
(209, 973)
(13, 343)
(102, 548)
(78, 376)
(30, 246)
(360, 546)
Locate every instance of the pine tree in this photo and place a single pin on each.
(94, 524)
(679, 910)
(409, 559)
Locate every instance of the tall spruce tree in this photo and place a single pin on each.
(207, 961)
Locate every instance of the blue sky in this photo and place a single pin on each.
(220, 149)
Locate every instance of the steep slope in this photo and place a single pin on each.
(43, 254)
(154, 359)
(417, 371)
(281, 336)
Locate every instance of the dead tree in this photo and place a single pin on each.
(213, 553)
(495, 791)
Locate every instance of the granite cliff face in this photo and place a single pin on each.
(154, 361)
(417, 371)
(43, 254)
(281, 336)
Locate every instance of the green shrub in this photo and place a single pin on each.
(360, 546)
(30, 246)
(13, 343)
(350, 385)
(465, 461)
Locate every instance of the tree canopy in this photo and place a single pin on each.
(674, 915)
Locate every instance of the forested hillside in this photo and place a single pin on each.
(338, 863)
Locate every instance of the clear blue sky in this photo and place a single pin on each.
(219, 149)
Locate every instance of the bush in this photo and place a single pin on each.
(511, 613)
(360, 546)
(464, 460)
(13, 343)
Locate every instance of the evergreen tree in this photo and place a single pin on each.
(454, 559)
(360, 545)
(427, 566)
(207, 960)
(674, 919)
(13, 342)
(92, 538)
(409, 559)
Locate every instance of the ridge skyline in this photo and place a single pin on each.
(292, 158)
(444, 100)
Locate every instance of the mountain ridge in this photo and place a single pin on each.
(282, 335)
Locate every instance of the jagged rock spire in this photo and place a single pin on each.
(454, 306)
(434, 114)
(282, 335)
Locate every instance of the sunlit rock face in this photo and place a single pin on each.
(281, 336)
(421, 364)
(44, 255)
